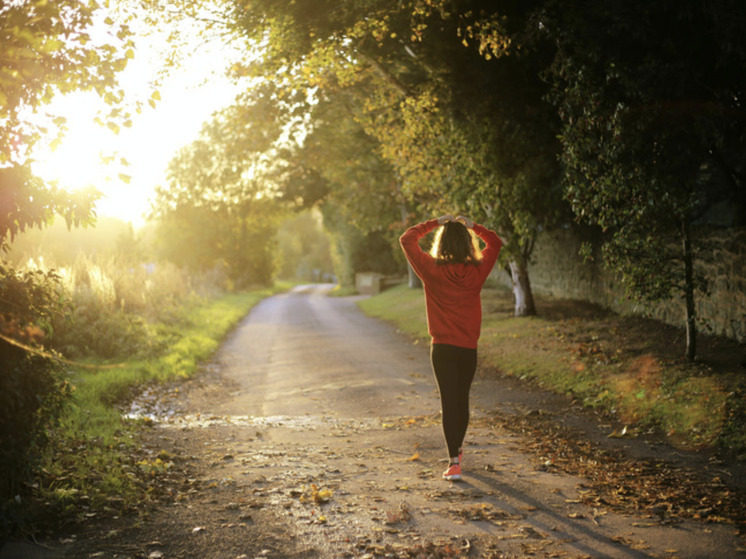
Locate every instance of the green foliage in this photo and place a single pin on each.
(361, 195)
(27, 202)
(303, 248)
(218, 207)
(355, 251)
(239, 241)
(33, 393)
(28, 303)
(33, 387)
(49, 49)
(114, 307)
(642, 95)
(414, 112)
(361, 185)
(653, 131)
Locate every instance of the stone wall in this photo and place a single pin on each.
(557, 270)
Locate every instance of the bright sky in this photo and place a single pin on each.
(188, 97)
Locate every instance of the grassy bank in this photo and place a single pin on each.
(91, 464)
(627, 366)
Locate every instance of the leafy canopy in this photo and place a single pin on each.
(49, 49)
(462, 124)
(653, 128)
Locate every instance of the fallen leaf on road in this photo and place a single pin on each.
(616, 434)
(316, 494)
(618, 482)
(402, 515)
(484, 512)
(530, 532)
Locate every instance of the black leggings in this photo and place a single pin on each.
(454, 369)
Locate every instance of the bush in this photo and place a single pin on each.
(33, 388)
(114, 307)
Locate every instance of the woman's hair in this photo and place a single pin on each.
(454, 243)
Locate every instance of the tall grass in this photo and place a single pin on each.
(117, 308)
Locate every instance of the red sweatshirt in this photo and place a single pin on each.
(452, 291)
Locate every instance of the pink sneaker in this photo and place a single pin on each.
(453, 473)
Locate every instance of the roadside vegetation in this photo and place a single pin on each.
(93, 462)
(83, 332)
(629, 367)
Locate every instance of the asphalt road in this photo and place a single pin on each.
(351, 387)
(303, 353)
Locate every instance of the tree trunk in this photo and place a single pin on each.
(413, 281)
(691, 326)
(524, 298)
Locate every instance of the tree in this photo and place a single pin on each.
(362, 197)
(33, 387)
(481, 135)
(49, 49)
(304, 248)
(653, 131)
(220, 204)
(442, 115)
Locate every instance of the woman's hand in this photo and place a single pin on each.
(466, 221)
(442, 220)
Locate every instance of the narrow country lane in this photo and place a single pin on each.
(314, 432)
(306, 354)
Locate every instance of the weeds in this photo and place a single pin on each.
(114, 308)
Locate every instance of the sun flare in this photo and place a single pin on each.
(78, 161)
(127, 166)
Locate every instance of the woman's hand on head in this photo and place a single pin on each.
(442, 220)
(466, 221)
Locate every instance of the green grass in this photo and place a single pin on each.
(597, 359)
(402, 306)
(91, 458)
(339, 291)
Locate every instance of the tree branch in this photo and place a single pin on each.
(386, 75)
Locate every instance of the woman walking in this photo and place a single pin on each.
(453, 275)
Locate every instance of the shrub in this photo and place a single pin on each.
(33, 388)
(114, 306)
